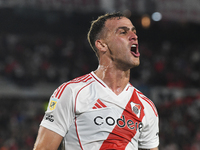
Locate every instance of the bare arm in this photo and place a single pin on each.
(47, 140)
(150, 149)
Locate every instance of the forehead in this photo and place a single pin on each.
(114, 23)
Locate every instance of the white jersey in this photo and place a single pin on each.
(90, 116)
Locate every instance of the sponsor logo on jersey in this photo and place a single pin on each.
(50, 118)
(53, 103)
(121, 122)
(136, 108)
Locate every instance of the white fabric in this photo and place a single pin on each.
(90, 116)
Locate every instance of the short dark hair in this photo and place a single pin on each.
(97, 26)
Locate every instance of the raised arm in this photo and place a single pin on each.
(47, 140)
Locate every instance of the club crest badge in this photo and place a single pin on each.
(53, 103)
(136, 108)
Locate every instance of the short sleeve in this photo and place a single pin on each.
(149, 137)
(59, 115)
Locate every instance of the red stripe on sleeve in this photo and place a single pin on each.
(149, 102)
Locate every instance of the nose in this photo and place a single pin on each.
(133, 36)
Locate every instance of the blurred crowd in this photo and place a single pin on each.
(19, 122)
(180, 124)
(30, 59)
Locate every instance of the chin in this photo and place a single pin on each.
(136, 63)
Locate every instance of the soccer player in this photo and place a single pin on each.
(102, 110)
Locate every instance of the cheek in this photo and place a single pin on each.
(117, 46)
(121, 44)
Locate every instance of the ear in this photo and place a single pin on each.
(101, 46)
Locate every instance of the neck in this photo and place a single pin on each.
(115, 79)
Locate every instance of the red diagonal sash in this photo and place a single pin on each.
(126, 127)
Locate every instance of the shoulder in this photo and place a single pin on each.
(148, 104)
(73, 85)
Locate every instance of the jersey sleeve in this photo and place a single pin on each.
(149, 137)
(59, 115)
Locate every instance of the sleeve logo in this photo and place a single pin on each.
(50, 118)
(53, 103)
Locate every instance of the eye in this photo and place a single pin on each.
(123, 32)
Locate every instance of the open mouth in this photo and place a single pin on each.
(134, 50)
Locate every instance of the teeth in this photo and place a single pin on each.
(133, 46)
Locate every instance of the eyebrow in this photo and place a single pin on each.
(126, 28)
